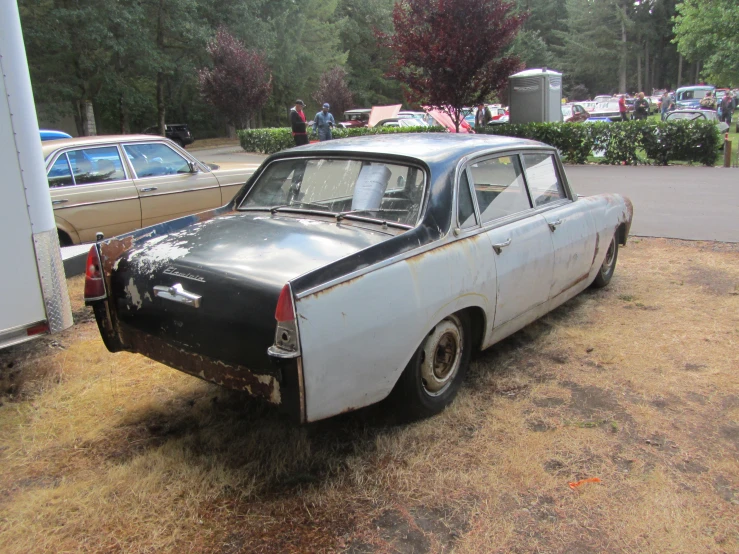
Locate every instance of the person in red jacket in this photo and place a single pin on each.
(622, 107)
(297, 122)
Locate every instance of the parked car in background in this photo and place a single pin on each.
(588, 105)
(48, 134)
(697, 114)
(574, 113)
(690, 97)
(401, 122)
(351, 270)
(355, 118)
(608, 109)
(602, 98)
(179, 133)
(115, 184)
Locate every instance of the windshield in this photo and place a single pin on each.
(686, 115)
(340, 187)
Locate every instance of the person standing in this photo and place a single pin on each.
(665, 107)
(622, 107)
(323, 123)
(641, 107)
(297, 122)
(727, 107)
(482, 116)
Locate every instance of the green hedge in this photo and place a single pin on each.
(629, 141)
(269, 141)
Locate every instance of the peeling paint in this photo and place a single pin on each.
(132, 293)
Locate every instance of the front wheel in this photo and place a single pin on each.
(609, 265)
(432, 378)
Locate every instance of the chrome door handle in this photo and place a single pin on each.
(501, 245)
(554, 224)
(62, 201)
(177, 293)
(148, 189)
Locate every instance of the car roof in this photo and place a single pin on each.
(49, 147)
(430, 148)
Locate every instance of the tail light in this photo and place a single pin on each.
(284, 311)
(94, 283)
(286, 343)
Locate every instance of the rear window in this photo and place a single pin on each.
(387, 191)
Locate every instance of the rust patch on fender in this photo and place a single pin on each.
(576, 281)
(231, 376)
(112, 250)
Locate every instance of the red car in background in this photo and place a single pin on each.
(355, 118)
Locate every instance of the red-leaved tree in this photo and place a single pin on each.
(448, 53)
(239, 83)
(332, 88)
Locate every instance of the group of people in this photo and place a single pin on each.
(727, 105)
(323, 123)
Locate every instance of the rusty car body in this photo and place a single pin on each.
(350, 270)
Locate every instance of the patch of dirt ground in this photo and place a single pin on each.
(635, 384)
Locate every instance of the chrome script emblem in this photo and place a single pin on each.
(173, 271)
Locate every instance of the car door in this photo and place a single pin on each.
(571, 227)
(92, 191)
(166, 185)
(519, 238)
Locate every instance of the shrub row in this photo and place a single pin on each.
(269, 141)
(629, 141)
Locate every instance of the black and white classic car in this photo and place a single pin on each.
(350, 270)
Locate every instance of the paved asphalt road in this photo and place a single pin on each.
(697, 203)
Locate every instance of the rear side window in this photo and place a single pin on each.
(541, 176)
(465, 209)
(499, 187)
(154, 159)
(60, 175)
(96, 165)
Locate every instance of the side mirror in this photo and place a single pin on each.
(193, 167)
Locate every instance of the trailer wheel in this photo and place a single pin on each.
(433, 376)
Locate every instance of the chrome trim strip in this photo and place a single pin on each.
(177, 293)
(95, 203)
(179, 192)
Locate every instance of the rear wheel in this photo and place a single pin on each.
(179, 142)
(609, 265)
(432, 378)
(64, 239)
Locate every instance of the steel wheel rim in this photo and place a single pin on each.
(610, 257)
(442, 356)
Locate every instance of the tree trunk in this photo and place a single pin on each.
(161, 119)
(679, 70)
(697, 72)
(638, 72)
(622, 62)
(647, 76)
(80, 117)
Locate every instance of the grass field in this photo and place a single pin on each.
(635, 384)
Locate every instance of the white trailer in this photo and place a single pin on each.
(33, 290)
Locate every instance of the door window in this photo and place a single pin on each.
(96, 165)
(499, 187)
(153, 159)
(60, 175)
(541, 176)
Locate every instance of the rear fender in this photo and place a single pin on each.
(356, 337)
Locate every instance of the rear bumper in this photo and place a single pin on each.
(280, 385)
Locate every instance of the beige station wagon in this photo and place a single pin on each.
(116, 184)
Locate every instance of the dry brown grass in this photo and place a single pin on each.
(636, 384)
